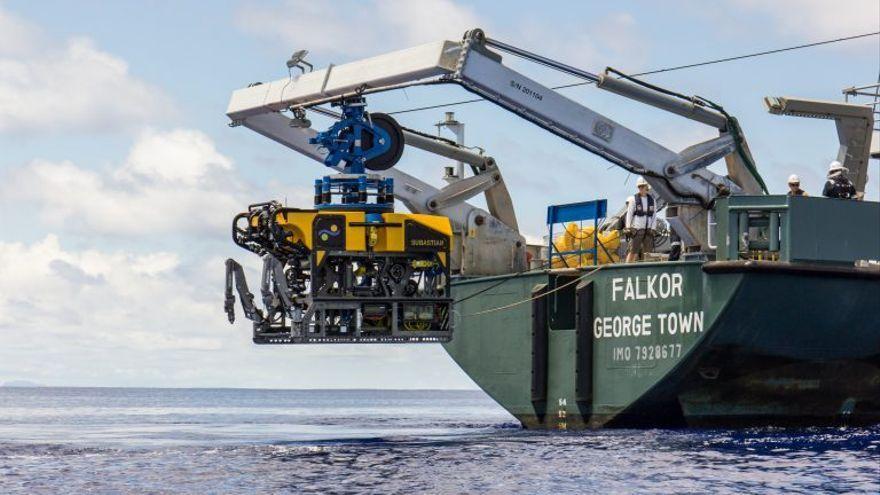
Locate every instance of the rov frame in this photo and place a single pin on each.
(381, 281)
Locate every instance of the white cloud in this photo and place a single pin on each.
(70, 85)
(173, 181)
(103, 298)
(180, 156)
(112, 318)
(817, 19)
(613, 40)
(392, 24)
(17, 36)
(427, 20)
(399, 24)
(155, 263)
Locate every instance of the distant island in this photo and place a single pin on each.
(21, 383)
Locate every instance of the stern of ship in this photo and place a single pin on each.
(793, 339)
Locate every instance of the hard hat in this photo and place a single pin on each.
(835, 166)
(794, 179)
(641, 182)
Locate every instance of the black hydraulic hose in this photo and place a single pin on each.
(658, 89)
(733, 126)
(735, 129)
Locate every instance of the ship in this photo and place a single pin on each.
(729, 342)
(754, 309)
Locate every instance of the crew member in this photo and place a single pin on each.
(838, 184)
(794, 186)
(640, 220)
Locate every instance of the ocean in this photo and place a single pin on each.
(230, 441)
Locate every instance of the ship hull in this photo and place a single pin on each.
(676, 344)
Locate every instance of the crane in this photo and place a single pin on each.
(680, 179)
(485, 242)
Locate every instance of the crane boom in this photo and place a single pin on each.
(854, 125)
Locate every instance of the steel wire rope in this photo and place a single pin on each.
(506, 278)
(665, 69)
(512, 276)
(533, 298)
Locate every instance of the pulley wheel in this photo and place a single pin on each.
(389, 158)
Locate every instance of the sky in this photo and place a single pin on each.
(119, 175)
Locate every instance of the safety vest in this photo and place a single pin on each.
(640, 211)
(839, 187)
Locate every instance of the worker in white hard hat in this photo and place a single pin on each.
(838, 184)
(641, 218)
(794, 186)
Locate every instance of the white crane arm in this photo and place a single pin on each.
(854, 123)
(680, 178)
(416, 65)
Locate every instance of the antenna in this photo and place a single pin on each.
(298, 60)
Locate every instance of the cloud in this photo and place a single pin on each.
(613, 39)
(393, 24)
(109, 317)
(172, 181)
(398, 24)
(427, 20)
(182, 156)
(103, 298)
(818, 19)
(17, 37)
(70, 85)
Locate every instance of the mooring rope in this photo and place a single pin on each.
(533, 298)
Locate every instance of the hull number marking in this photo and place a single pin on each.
(641, 353)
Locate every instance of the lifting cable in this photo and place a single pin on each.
(665, 69)
(520, 273)
(533, 298)
(500, 282)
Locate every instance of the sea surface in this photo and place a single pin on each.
(228, 441)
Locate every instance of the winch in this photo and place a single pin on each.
(350, 269)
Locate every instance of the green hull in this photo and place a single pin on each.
(676, 344)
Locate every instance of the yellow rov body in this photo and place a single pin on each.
(336, 275)
(329, 230)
